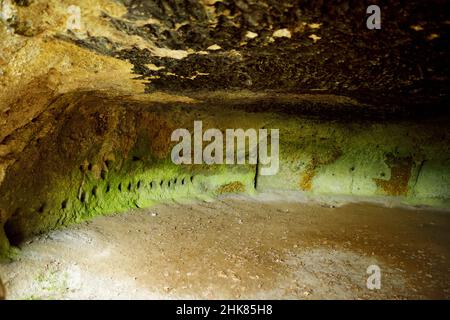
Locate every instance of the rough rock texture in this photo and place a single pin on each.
(2, 291)
(361, 112)
(104, 155)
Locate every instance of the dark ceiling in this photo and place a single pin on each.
(403, 66)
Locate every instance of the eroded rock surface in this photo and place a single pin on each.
(361, 112)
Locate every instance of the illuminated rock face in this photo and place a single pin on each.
(91, 94)
(107, 154)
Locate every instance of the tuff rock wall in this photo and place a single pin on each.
(88, 102)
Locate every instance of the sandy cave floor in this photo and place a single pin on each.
(238, 247)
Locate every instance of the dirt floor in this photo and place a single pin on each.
(239, 247)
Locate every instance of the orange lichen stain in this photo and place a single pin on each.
(306, 180)
(397, 185)
(158, 131)
(233, 187)
(310, 172)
